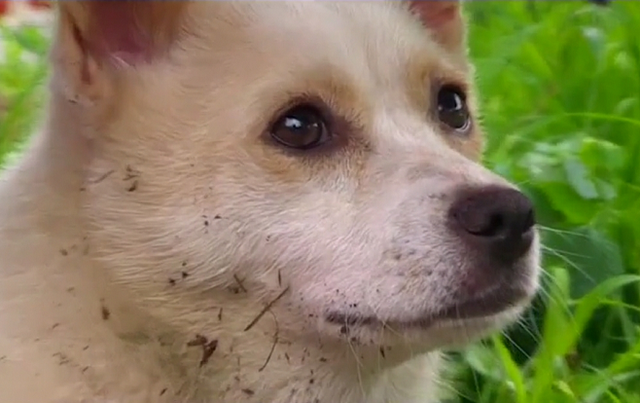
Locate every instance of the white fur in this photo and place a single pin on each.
(98, 222)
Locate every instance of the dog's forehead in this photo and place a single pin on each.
(382, 35)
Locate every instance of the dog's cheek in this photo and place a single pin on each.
(205, 235)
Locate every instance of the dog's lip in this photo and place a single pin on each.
(486, 306)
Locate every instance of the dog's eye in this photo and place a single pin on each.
(452, 108)
(301, 127)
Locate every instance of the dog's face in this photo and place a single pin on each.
(331, 148)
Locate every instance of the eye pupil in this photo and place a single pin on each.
(301, 127)
(452, 108)
(450, 101)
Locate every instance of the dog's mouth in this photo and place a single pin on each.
(487, 306)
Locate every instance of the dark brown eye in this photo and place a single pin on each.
(452, 108)
(302, 127)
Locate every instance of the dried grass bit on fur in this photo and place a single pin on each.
(208, 347)
(266, 308)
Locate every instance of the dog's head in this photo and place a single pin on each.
(324, 151)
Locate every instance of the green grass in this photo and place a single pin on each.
(23, 71)
(560, 91)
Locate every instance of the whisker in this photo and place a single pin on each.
(359, 367)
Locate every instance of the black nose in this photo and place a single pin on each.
(493, 220)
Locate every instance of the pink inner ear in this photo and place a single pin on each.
(116, 33)
(435, 13)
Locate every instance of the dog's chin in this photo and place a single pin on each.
(451, 332)
(493, 307)
(448, 327)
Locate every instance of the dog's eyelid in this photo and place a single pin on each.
(461, 86)
(450, 76)
(302, 100)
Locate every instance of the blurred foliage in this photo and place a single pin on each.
(23, 70)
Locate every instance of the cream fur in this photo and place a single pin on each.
(147, 212)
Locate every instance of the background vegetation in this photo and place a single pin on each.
(560, 86)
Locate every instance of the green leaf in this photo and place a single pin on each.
(590, 255)
(484, 361)
(512, 370)
(602, 153)
(576, 210)
(578, 178)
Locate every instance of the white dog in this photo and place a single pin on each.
(269, 202)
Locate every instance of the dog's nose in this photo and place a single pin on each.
(494, 220)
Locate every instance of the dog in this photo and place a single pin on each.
(276, 202)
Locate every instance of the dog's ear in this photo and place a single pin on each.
(443, 18)
(96, 36)
(122, 31)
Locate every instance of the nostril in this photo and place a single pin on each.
(485, 225)
(493, 212)
(494, 226)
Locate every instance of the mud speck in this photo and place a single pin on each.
(105, 312)
(133, 187)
